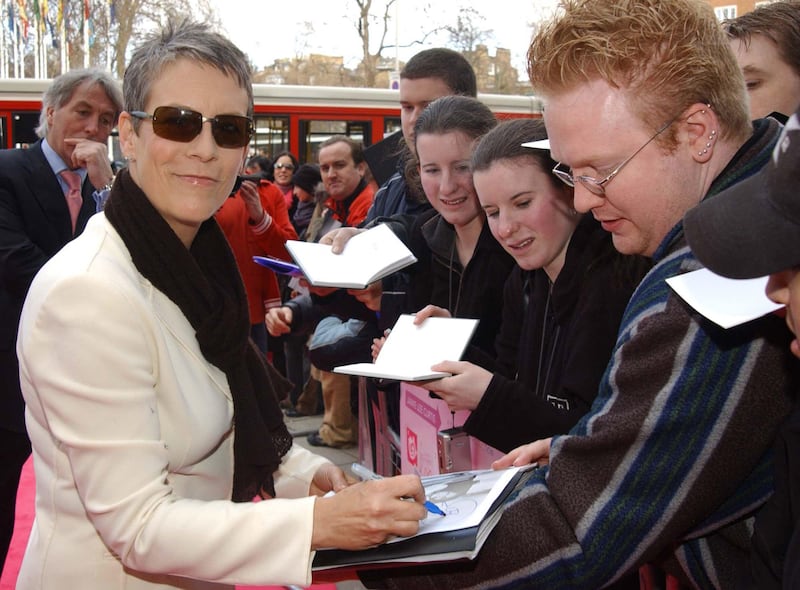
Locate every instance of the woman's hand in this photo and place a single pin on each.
(329, 478)
(377, 344)
(252, 201)
(371, 296)
(465, 389)
(535, 452)
(430, 311)
(279, 320)
(369, 513)
(337, 238)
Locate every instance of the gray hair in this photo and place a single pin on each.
(63, 87)
(184, 40)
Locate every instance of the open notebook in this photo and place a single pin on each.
(471, 502)
(409, 350)
(367, 257)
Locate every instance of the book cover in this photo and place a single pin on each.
(409, 351)
(471, 501)
(367, 257)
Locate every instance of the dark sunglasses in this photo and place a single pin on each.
(183, 125)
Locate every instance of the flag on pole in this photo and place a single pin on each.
(23, 17)
(11, 17)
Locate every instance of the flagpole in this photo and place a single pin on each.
(108, 29)
(85, 33)
(3, 52)
(20, 51)
(62, 33)
(42, 24)
(15, 34)
(37, 58)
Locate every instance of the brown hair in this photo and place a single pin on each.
(778, 22)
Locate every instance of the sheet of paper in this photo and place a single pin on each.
(726, 302)
(409, 350)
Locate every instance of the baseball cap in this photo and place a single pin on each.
(752, 228)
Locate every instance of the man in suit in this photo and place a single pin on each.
(79, 111)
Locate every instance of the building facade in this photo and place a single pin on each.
(726, 9)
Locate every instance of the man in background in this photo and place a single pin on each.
(428, 75)
(47, 194)
(766, 42)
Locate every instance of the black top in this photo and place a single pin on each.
(549, 365)
(438, 278)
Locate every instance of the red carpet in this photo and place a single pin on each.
(24, 513)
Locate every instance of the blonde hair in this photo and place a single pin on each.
(667, 54)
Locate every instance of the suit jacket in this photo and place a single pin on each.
(132, 441)
(34, 225)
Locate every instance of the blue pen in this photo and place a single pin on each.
(364, 473)
(434, 508)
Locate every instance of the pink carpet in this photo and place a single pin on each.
(22, 526)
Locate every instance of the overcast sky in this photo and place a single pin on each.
(269, 30)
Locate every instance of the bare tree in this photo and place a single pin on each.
(369, 61)
(372, 52)
(135, 18)
(468, 32)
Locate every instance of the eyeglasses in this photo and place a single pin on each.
(183, 125)
(598, 187)
(284, 166)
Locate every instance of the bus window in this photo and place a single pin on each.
(313, 133)
(271, 136)
(23, 125)
(3, 133)
(391, 125)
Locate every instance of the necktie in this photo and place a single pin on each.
(74, 197)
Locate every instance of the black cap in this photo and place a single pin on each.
(307, 177)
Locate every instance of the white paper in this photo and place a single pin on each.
(366, 257)
(726, 302)
(409, 350)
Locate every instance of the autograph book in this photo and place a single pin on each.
(471, 501)
(367, 257)
(409, 350)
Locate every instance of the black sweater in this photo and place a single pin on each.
(548, 366)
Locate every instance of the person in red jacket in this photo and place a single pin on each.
(343, 168)
(256, 222)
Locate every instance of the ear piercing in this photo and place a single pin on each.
(708, 143)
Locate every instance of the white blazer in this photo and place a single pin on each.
(133, 441)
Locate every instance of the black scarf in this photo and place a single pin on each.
(204, 282)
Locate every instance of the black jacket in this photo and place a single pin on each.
(548, 366)
(34, 225)
(438, 277)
